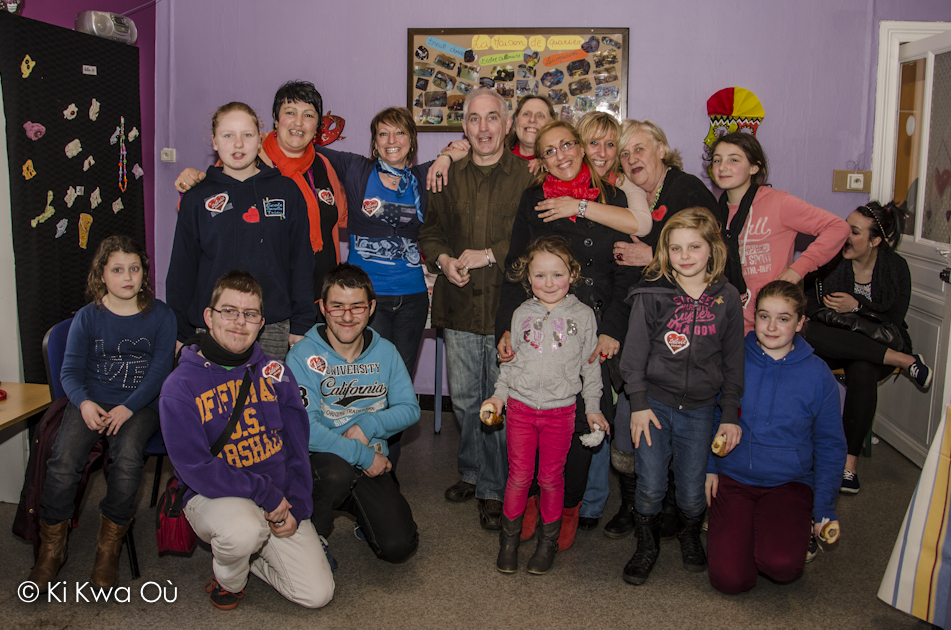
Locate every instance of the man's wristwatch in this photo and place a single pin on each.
(582, 208)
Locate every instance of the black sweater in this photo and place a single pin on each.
(604, 284)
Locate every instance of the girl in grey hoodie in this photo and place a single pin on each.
(553, 335)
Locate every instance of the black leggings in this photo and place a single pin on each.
(861, 358)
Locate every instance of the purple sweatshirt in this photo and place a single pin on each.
(265, 459)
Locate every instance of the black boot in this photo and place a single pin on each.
(508, 545)
(647, 530)
(623, 522)
(695, 560)
(544, 555)
(671, 525)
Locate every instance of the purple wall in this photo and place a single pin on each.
(812, 63)
(63, 13)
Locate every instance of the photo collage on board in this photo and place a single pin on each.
(580, 73)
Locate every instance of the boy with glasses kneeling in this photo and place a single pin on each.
(357, 393)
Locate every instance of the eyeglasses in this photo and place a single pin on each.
(230, 314)
(568, 146)
(356, 309)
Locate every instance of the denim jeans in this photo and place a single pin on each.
(598, 488)
(400, 319)
(472, 370)
(685, 436)
(126, 453)
(622, 425)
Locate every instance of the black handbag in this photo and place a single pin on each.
(869, 324)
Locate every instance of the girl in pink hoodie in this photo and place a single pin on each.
(763, 222)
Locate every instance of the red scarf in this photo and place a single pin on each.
(517, 151)
(579, 187)
(295, 169)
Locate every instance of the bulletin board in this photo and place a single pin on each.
(71, 103)
(580, 69)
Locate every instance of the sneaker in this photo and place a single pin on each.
(358, 532)
(330, 559)
(920, 372)
(850, 482)
(814, 548)
(460, 491)
(490, 514)
(588, 523)
(220, 598)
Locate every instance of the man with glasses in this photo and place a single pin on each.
(251, 502)
(465, 238)
(357, 393)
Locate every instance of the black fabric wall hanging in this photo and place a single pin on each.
(71, 103)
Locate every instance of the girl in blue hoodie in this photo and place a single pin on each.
(784, 473)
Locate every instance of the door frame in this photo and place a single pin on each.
(891, 35)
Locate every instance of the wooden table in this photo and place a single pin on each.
(23, 400)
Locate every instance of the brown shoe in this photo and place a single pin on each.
(52, 554)
(105, 573)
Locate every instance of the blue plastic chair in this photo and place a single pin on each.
(54, 350)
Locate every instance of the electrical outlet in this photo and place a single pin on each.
(168, 155)
(851, 181)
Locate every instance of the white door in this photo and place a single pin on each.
(907, 418)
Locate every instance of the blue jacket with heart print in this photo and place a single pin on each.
(374, 392)
(259, 225)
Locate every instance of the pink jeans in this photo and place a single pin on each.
(547, 432)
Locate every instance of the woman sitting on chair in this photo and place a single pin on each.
(118, 353)
(868, 277)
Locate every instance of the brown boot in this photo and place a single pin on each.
(52, 554)
(105, 573)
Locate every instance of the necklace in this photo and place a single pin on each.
(659, 190)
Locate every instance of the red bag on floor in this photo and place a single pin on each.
(173, 532)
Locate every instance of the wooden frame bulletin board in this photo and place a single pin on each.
(580, 69)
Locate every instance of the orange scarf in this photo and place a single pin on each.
(295, 169)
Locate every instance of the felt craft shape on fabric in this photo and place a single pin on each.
(26, 66)
(47, 211)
